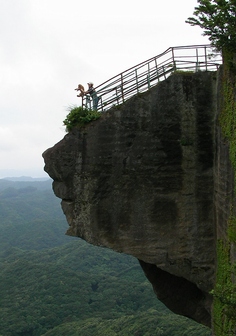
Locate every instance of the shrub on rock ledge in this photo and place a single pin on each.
(79, 117)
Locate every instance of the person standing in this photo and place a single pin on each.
(91, 91)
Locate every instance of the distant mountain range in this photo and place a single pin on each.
(26, 178)
(23, 182)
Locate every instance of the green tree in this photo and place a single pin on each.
(217, 18)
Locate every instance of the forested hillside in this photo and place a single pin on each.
(54, 285)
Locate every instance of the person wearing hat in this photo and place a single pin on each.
(91, 91)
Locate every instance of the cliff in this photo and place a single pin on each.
(149, 178)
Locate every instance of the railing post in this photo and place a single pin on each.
(117, 97)
(148, 76)
(197, 67)
(173, 58)
(205, 56)
(164, 73)
(136, 75)
(101, 103)
(157, 70)
(122, 88)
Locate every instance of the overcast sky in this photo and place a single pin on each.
(47, 47)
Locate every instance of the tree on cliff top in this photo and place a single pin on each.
(218, 20)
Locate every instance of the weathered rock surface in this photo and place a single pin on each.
(140, 180)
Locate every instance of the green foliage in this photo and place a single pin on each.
(46, 288)
(40, 297)
(150, 323)
(218, 20)
(224, 293)
(224, 317)
(228, 115)
(57, 285)
(30, 212)
(232, 229)
(79, 117)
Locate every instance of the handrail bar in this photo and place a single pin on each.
(145, 75)
(155, 57)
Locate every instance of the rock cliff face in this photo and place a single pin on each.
(140, 180)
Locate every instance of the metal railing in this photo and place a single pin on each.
(145, 75)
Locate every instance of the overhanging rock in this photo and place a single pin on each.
(139, 180)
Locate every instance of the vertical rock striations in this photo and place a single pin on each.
(139, 180)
